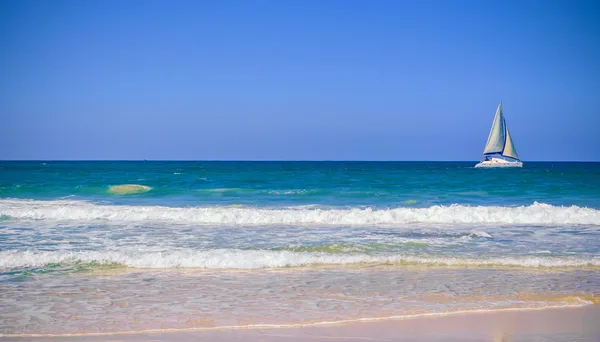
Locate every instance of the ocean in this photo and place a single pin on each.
(117, 246)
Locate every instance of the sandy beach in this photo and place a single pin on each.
(565, 324)
(274, 171)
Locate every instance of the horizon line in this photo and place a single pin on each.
(279, 160)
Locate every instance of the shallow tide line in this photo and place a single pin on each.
(581, 303)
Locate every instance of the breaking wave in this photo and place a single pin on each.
(68, 210)
(251, 259)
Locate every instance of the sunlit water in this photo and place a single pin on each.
(118, 246)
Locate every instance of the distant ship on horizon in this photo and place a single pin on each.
(500, 149)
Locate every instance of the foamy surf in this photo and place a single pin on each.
(68, 210)
(253, 259)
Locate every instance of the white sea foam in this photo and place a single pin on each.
(481, 234)
(251, 259)
(66, 210)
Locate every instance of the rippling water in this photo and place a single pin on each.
(179, 245)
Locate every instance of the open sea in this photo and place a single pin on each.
(104, 247)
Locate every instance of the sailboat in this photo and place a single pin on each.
(500, 149)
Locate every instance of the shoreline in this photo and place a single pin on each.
(555, 324)
(396, 324)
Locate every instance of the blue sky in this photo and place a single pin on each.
(296, 80)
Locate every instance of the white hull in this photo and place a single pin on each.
(497, 162)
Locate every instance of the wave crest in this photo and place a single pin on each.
(66, 210)
(251, 259)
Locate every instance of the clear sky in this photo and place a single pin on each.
(295, 80)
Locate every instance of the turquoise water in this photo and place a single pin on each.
(374, 184)
(296, 242)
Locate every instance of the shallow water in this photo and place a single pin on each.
(237, 243)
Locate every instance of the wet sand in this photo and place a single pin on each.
(565, 324)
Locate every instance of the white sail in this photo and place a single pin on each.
(509, 146)
(495, 142)
(499, 145)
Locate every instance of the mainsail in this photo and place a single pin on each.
(495, 142)
(499, 140)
